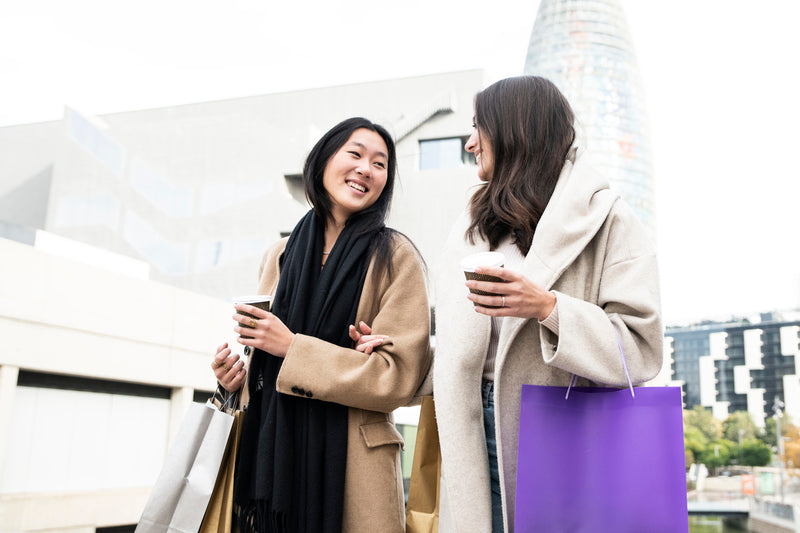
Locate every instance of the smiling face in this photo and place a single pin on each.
(356, 174)
(479, 145)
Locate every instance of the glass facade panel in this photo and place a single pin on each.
(94, 210)
(211, 254)
(438, 154)
(584, 47)
(174, 201)
(105, 441)
(218, 196)
(168, 256)
(94, 141)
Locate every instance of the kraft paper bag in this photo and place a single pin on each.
(183, 488)
(600, 459)
(422, 510)
(219, 516)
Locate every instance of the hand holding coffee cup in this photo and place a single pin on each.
(269, 333)
(262, 301)
(483, 259)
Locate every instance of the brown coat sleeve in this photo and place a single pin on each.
(387, 378)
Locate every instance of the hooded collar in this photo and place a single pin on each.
(577, 209)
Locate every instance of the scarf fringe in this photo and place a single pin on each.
(257, 517)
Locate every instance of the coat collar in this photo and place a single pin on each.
(577, 209)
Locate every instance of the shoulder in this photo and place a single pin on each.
(403, 249)
(400, 260)
(272, 255)
(627, 233)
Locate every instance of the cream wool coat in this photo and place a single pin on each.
(372, 386)
(593, 252)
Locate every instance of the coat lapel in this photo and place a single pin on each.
(578, 208)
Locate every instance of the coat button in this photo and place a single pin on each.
(295, 390)
(308, 394)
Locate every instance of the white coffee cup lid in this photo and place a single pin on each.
(482, 259)
(252, 298)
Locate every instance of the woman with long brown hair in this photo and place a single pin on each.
(579, 270)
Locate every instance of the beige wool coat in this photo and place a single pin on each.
(595, 254)
(372, 386)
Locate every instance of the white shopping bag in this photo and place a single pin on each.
(181, 493)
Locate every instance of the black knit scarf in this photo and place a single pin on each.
(291, 463)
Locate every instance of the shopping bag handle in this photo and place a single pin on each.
(226, 399)
(574, 378)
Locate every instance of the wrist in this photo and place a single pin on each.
(549, 306)
(288, 344)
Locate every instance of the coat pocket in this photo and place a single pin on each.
(380, 434)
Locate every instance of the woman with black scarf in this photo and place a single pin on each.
(319, 450)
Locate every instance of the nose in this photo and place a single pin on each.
(363, 170)
(472, 142)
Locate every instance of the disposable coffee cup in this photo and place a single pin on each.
(262, 301)
(483, 259)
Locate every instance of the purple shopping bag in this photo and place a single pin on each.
(600, 460)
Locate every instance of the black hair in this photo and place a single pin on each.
(366, 220)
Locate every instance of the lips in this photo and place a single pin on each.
(360, 187)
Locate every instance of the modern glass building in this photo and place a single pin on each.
(742, 365)
(198, 191)
(585, 48)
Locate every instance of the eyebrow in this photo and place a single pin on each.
(363, 147)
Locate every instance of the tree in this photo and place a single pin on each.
(716, 444)
(739, 421)
(701, 418)
(718, 453)
(791, 446)
(768, 437)
(755, 453)
(694, 442)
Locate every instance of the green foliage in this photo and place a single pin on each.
(755, 453)
(716, 444)
(689, 458)
(768, 437)
(701, 419)
(694, 440)
(718, 453)
(736, 422)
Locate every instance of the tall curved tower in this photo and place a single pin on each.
(585, 48)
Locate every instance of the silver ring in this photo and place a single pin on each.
(504, 302)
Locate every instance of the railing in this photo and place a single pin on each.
(739, 508)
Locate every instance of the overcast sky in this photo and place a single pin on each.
(720, 77)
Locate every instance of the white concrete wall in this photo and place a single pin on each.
(790, 346)
(224, 162)
(71, 460)
(708, 381)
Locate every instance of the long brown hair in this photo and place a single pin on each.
(529, 126)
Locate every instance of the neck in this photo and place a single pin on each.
(332, 231)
